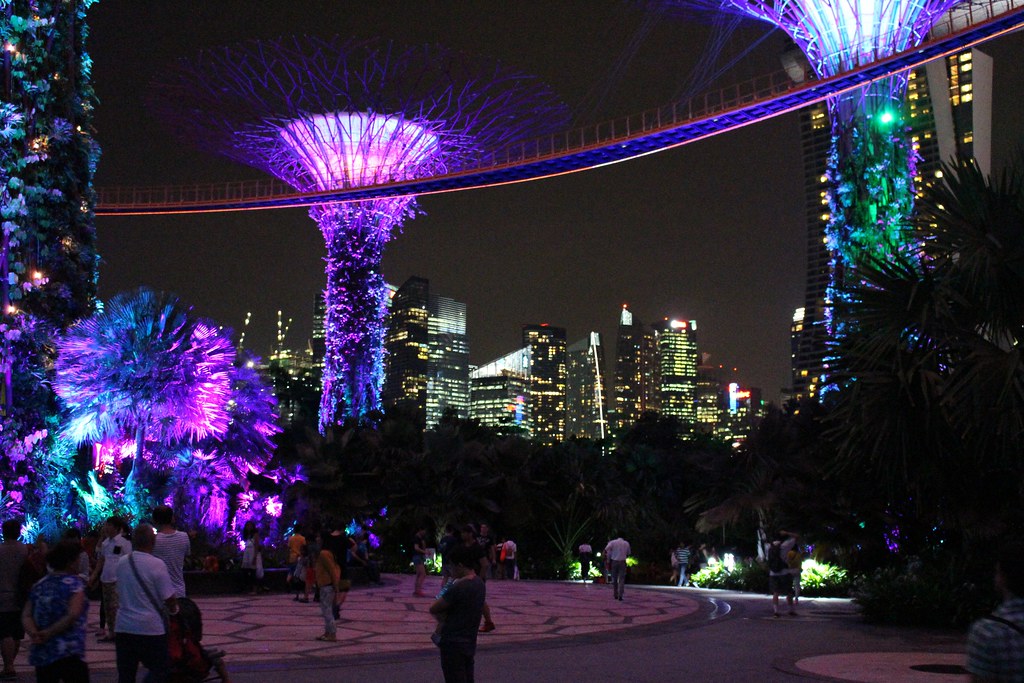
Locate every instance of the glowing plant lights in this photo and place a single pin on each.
(324, 114)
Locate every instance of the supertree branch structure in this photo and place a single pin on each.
(872, 163)
(325, 114)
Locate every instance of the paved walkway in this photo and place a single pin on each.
(564, 632)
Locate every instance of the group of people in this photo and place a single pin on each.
(140, 578)
(317, 565)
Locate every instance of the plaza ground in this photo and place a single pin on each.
(562, 633)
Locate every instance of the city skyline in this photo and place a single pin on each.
(707, 232)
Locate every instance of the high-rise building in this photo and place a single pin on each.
(427, 362)
(677, 365)
(585, 394)
(636, 372)
(448, 366)
(711, 400)
(744, 408)
(500, 391)
(948, 108)
(547, 381)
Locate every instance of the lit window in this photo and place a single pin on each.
(965, 57)
(967, 97)
(966, 67)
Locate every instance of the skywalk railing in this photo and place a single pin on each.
(269, 193)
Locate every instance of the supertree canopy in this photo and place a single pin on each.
(323, 114)
(872, 162)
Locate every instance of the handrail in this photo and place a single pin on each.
(577, 142)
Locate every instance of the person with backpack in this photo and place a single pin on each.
(995, 644)
(780, 580)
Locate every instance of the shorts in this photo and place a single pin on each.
(782, 584)
(10, 625)
(417, 559)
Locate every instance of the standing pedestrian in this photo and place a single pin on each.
(995, 644)
(54, 618)
(615, 554)
(144, 593)
(447, 543)
(479, 553)
(171, 546)
(419, 558)
(252, 557)
(780, 580)
(459, 611)
(682, 555)
(486, 542)
(508, 559)
(13, 556)
(113, 548)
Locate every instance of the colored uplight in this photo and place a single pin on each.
(346, 149)
(887, 117)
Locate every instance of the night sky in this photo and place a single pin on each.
(713, 231)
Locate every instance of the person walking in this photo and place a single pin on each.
(615, 554)
(144, 592)
(459, 610)
(13, 555)
(328, 580)
(586, 553)
(682, 556)
(113, 548)
(252, 557)
(171, 546)
(54, 618)
(995, 643)
(508, 559)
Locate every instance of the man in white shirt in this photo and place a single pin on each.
(144, 591)
(615, 554)
(114, 547)
(172, 546)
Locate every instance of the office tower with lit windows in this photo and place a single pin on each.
(948, 111)
(636, 372)
(448, 363)
(677, 365)
(427, 362)
(743, 409)
(711, 399)
(547, 381)
(500, 391)
(585, 394)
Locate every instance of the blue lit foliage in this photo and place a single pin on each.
(47, 254)
(327, 113)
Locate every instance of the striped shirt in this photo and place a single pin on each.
(173, 548)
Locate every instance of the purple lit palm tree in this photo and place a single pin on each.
(144, 368)
(323, 114)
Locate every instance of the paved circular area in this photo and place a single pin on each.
(388, 619)
(888, 667)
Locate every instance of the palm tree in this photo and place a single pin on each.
(932, 399)
(144, 368)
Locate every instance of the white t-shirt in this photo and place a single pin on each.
(112, 550)
(510, 550)
(173, 548)
(136, 613)
(617, 550)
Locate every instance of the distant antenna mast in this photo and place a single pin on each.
(595, 341)
(245, 328)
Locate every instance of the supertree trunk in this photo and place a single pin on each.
(355, 301)
(871, 169)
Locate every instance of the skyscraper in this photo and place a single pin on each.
(585, 394)
(948, 107)
(500, 391)
(427, 362)
(677, 365)
(636, 372)
(547, 381)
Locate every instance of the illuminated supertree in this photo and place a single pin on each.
(872, 162)
(323, 114)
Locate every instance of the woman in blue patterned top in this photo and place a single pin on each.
(54, 618)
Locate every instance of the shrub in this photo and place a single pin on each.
(921, 596)
(817, 580)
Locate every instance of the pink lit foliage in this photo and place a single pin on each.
(144, 369)
(323, 114)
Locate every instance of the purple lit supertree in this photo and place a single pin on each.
(323, 114)
(872, 162)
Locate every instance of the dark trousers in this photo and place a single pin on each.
(68, 670)
(456, 663)
(150, 651)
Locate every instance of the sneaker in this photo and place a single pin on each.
(487, 627)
